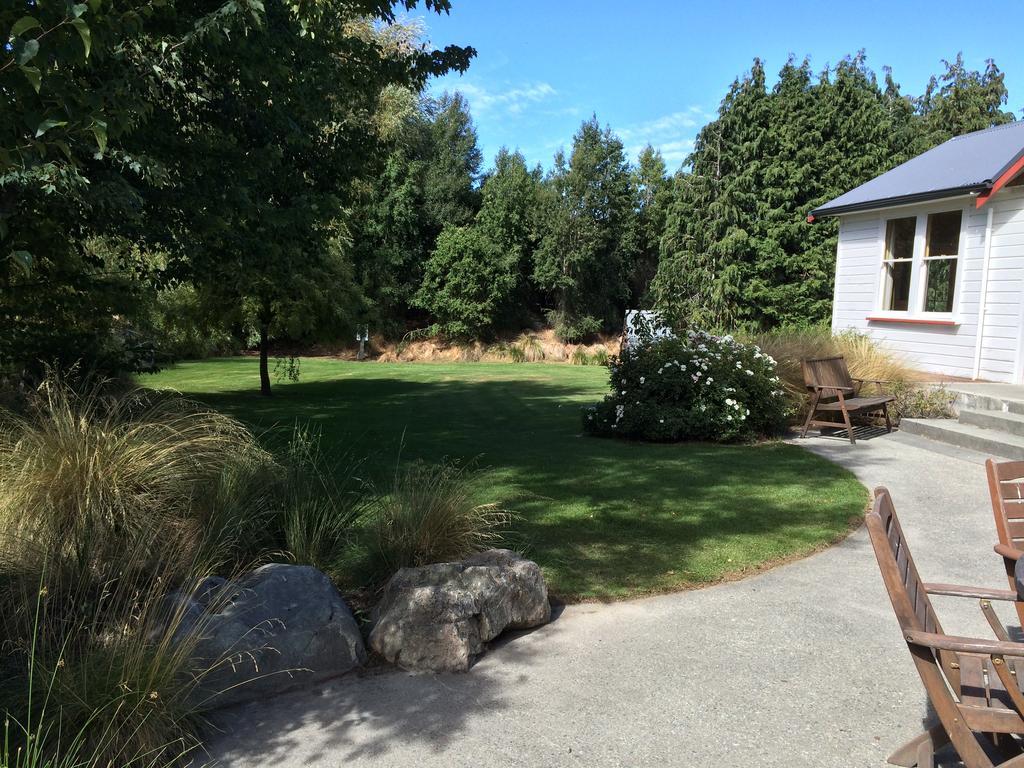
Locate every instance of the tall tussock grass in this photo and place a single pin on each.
(864, 357)
(428, 513)
(113, 506)
(108, 503)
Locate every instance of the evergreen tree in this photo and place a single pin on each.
(960, 101)
(467, 283)
(510, 217)
(653, 189)
(589, 243)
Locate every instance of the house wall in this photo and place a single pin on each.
(942, 349)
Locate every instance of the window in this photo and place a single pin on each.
(920, 263)
(941, 254)
(899, 263)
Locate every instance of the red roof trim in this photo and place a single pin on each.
(1001, 182)
(910, 321)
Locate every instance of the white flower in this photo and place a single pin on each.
(709, 380)
(729, 401)
(623, 391)
(661, 421)
(642, 379)
(749, 372)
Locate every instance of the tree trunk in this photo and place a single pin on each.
(264, 370)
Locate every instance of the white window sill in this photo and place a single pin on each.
(930, 318)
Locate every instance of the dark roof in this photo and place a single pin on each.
(964, 164)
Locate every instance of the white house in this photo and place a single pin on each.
(931, 257)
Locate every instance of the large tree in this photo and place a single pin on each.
(737, 249)
(589, 244)
(227, 139)
(428, 181)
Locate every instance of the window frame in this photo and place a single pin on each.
(919, 264)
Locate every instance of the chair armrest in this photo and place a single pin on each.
(872, 381)
(978, 593)
(1010, 553)
(964, 644)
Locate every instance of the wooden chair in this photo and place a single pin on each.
(1006, 489)
(833, 390)
(973, 684)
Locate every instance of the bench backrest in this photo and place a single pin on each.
(827, 372)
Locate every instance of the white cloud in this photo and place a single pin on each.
(513, 100)
(673, 134)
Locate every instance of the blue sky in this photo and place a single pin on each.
(656, 71)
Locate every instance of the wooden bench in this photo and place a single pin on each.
(833, 390)
(974, 684)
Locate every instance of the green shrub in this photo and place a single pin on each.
(467, 283)
(579, 357)
(517, 354)
(921, 402)
(600, 356)
(700, 387)
(183, 326)
(428, 514)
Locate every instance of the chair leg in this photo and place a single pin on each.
(888, 423)
(849, 427)
(920, 751)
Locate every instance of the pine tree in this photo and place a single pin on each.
(589, 242)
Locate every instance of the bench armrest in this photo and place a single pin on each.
(1010, 553)
(964, 644)
(978, 593)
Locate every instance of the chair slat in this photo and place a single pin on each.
(1010, 470)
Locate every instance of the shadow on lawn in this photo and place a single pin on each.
(594, 512)
(374, 713)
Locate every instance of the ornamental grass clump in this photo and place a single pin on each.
(428, 513)
(107, 505)
(698, 387)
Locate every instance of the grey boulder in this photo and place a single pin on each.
(437, 618)
(276, 628)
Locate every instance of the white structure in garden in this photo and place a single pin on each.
(931, 257)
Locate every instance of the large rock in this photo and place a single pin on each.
(276, 628)
(438, 617)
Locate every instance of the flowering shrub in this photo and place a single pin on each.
(700, 387)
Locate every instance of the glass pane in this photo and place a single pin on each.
(897, 285)
(940, 279)
(899, 238)
(943, 234)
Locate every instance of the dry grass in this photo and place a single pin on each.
(529, 346)
(865, 358)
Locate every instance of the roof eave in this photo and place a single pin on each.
(892, 202)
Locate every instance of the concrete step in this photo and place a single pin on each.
(996, 443)
(1000, 397)
(999, 421)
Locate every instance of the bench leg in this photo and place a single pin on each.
(810, 413)
(849, 427)
(888, 423)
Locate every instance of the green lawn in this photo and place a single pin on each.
(605, 518)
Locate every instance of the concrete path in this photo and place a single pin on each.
(800, 666)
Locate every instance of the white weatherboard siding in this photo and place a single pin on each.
(942, 349)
